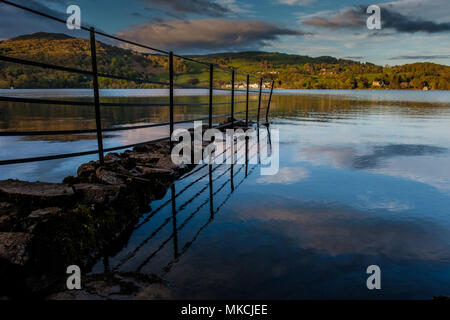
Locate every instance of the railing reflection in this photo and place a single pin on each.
(252, 154)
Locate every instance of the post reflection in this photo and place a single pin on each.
(211, 177)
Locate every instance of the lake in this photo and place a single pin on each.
(364, 180)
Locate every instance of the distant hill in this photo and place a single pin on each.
(289, 70)
(42, 35)
(272, 57)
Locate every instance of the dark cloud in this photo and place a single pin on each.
(350, 18)
(15, 22)
(356, 18)
(204, 7)
(381, 153)
(428, 57)
(402, 23)
(207, 34)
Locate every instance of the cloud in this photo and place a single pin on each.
(421, 163)
(297, 2)
(354, 57)
(390, 19)
(384, 152)
(402, 23)
(287, 175)
(207, 34)
(438, 11)
(348, 18)
(335, 230)
(204, 7)
(235, 8)
(427, 57)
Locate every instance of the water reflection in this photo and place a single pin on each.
(213, 178)
(385, 152)
(364, 179)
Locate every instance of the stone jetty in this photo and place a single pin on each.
(45, 227)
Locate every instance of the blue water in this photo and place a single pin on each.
(364, 180)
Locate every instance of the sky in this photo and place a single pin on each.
(411, 30)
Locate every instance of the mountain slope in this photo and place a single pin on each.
(290, 70)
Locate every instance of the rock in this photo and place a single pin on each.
(34, 189)
(150, 172)
(87, 169)
(117, 168)
(97, 193)
(118, 286)
(167, 163)
(41, 213)
(145, 158)
(14, 247)
(8, 216)
(160, 148)
(38, 216)
(35, 195)
(5, 208)
(71, 180)
(112, 157)
(7, 222)
(108, 177)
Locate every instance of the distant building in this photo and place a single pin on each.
(378, 84)
(404, 85)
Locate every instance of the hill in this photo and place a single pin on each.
(289, 70)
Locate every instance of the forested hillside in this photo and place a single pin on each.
(289, 71)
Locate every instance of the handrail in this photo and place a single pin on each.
(97, 104)
(43, 65)
(124, 128)
(112, 104)
(105, 75)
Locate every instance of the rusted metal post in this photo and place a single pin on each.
(246, 104)
(98, 118)
(174, 222)
(232, 177)
(171, 96)
(270, 99)
(211, 193)
(211, 88)
(246, 155)
(232, 98)
(259, 100)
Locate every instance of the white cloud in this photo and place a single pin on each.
(234, 7)
(207, 34)
(287, 175)
(297, 2)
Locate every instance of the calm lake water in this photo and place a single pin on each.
(364, 180)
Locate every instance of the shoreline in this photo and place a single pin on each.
(46, 227)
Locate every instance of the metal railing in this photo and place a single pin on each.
(97, 104)
(198, 188)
